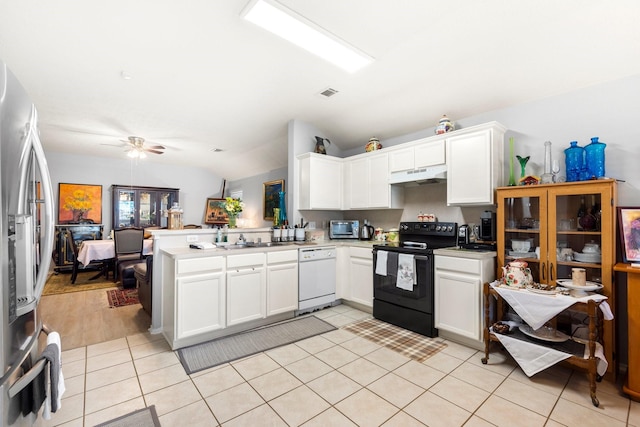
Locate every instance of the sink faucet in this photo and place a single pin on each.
(241, 239)
(259, 240)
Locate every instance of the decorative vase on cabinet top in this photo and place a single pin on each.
(444, 125)
(594, 158)
(372, 145)
(574, 161)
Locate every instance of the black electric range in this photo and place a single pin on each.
(410, 307)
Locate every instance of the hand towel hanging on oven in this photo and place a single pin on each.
(406, 277)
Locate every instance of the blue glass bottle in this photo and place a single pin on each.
(282, 206)
(574, 161)
(594, 158)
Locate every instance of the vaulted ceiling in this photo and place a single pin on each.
(194, 76)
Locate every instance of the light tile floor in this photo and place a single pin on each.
(335, 379)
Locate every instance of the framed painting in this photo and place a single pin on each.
(629, 226)
(270, 197)
(79, 204)
(215, 213)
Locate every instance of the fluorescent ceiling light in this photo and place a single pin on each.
(284, 22)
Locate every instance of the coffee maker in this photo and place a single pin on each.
(488, 226)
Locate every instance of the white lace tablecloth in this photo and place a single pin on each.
(95, 250)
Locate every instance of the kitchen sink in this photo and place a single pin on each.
(249, 245)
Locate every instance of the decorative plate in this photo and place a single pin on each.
(553, 291)
(557, 337)
(590, 286)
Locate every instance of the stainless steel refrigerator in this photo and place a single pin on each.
(26, 226)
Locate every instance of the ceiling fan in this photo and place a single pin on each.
(138, 149)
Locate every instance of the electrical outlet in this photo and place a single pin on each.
(312, 225)
(192, 238)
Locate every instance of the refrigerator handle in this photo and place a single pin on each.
(47, 226)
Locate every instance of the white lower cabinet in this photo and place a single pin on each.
(200, 304)
(458, 296)
(193, 298)
(246, 288)
(282, 282)
(361, 276)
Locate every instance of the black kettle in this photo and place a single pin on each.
(366, 231)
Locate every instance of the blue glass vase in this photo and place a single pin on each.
(594, 158)
(282, 206)
(574, 161)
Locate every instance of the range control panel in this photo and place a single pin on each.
(429, 228)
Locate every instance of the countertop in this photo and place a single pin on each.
(465, 253)
(183, 252)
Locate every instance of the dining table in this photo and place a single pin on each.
(98, 250)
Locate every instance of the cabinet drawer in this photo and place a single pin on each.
(463, 265)
(194, 265)
(282, 256)
(361, 252)
(245, 260)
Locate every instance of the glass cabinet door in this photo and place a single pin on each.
(146, 203)
(577, 235)
(523, 224)
(126, 208)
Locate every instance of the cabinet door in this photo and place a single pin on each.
(401, 160)
(359, 189)
(378, 181)
(430, 154)
(361, 280)
(522, 220)
(282, 288)
(458, 298)
(124, 204)
(146, 208)
(320, 182)
(470, 169)
(245, 295)
(200, 304)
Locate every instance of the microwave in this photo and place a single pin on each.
(344, 229)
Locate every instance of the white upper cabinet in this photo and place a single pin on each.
(320, 182)
(420, 154)
(367, 183)
(474, 164)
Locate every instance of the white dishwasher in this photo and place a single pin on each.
(316, 278)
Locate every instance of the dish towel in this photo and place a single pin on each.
(537, 309)
(406, 272)
(381, 263)
(53, 402)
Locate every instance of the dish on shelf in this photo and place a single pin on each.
(577, 290)
(517, 254)
(540, 334)
(587, 257)
(537, 290)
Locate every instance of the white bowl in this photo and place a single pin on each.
(591, 248)
(520, 245)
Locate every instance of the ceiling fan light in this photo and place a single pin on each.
(142, 155)
(132, 153)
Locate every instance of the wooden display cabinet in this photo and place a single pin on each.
(141, 206)
(547, 215)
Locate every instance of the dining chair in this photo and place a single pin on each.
(128, 248)
(102, 265)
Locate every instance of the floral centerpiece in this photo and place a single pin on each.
(79, 203)
(233, 207)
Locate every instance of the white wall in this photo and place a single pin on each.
(195, 184)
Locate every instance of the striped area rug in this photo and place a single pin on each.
(408, 343)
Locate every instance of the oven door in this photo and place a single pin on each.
(420, 298)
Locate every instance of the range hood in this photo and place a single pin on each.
(426, 175)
